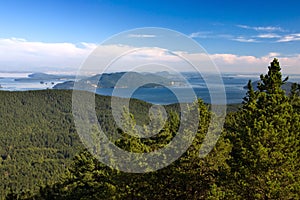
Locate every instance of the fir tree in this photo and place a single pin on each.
(265, 137)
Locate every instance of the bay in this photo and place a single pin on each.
(233, 83)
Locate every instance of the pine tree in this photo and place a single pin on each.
(265, 138)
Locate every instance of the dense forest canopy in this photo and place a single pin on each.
(256, 157)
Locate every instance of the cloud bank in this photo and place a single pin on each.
(22, 55)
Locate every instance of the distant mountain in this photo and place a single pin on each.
(45, 77)
(68, 85)
(286, 87)
(120, 80)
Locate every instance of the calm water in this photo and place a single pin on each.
(7, 82)
(233, 89)
(167, 96)
(233, 83)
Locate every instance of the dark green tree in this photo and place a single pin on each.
(265, 142)
(190, 177)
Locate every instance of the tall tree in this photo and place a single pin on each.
(265, 138)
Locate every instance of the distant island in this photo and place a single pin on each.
(43, 77)
(123, 80)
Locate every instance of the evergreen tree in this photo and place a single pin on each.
(265, 138)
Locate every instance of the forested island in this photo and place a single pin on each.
(123, 80)
(256, 157)
(44, 77)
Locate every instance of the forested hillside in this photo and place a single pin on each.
(38, 138)
(256, 157)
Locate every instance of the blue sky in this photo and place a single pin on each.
(242, 29)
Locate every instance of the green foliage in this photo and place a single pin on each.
(190, 177)
(256, 157)
(265, 142)
(38, 137)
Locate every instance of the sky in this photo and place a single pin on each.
(58, 36)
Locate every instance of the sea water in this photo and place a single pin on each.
(233, 83)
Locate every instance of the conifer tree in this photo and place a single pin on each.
(265, 137)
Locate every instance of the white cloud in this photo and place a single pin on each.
(268, 36)
(209, 34)
(236, 63)
(200, 34)
(243, 39)
(273, 54)
(290, 38)
(141, 36)
(262, 28)
(243, 63)
(22, 55)
(268, 28)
